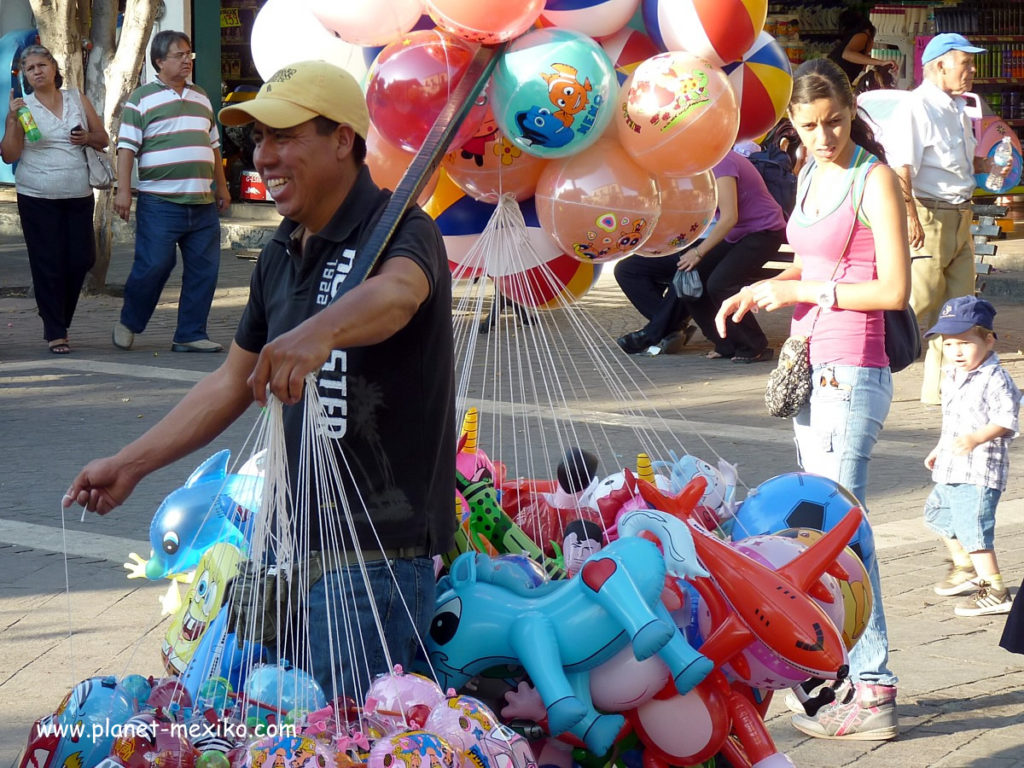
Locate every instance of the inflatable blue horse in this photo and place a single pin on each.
(489, 614)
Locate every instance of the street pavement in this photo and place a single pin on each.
(67, 611)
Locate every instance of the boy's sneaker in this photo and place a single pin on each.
(959, 581)
(870, 715)
(987, 601)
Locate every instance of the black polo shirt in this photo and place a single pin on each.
(390, 408)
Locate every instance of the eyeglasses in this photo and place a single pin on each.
(190, 55)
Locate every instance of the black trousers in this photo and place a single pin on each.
(61, 250)
(724, 270)
(647, 283)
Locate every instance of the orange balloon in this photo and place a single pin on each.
(387, 164)
(598, 204)
(688, 205)
(489, 165)
(678, 114)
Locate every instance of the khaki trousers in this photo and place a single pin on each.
(941, 269)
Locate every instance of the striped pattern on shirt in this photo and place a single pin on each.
(173, 138)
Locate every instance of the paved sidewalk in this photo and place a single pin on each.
(961, 697)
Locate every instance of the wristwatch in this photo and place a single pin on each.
(827, 297)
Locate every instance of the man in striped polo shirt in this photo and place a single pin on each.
(169, 126)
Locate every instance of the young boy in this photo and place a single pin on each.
(980, 405)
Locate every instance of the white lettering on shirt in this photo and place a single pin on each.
(333, 380)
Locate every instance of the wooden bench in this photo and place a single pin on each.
(983, 231)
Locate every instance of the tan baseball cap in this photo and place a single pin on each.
(301, 91)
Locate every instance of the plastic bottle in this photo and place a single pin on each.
(28, 123)
(1002, 157)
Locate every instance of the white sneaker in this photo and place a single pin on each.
(122, 337)
(199, 345)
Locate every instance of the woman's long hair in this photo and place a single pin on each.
(823, 79)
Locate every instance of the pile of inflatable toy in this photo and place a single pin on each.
(639, 626)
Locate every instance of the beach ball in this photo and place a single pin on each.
(289, 750)
(553, 92)
(412, 748)
(485, 21)
(367, 22)
(763, 83)
(677, 115)
(597, 18)
(598, 205)
(285, 32)
(718, 30)
(489, 165)
(553, 285)
(388, 163)
(801, 500)
(626, 49)
(410, 82)
(990, 131)
(461, 219)
(688, 205)
(855, 588)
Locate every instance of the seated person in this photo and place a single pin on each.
(647, 283)
(751, 227)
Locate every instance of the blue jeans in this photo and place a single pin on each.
(160, 228)
(344, 642)
(964, 512)
(835, 434)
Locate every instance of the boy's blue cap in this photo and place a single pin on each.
(946, 42)
(961, 314)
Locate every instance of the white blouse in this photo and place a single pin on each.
(53, 167)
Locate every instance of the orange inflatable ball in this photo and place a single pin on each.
(598, 205)
(388, 163)
(485, 21)
(678, 114)
(552, 285)
(489, 165)
(688, 205)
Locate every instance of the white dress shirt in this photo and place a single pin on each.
(936, 140)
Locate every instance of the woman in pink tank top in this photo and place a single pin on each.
(852, 262)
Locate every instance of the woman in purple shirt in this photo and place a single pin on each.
(750, 228)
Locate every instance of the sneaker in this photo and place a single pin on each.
(199, 345)
(122, 337)
(870, 715)
(988, 601)
(959, 581)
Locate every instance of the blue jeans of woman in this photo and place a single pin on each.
(161, 228)
(835, 434)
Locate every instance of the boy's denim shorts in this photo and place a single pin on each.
(963, 512)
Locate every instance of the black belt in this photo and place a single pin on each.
(332, 560)
(943, 205)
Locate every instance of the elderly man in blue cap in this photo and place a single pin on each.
(934, 157)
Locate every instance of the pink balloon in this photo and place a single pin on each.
(678, 114)
(488, 165)
(598, 204)
(688, 205)
(388, 163)
(410, 82)
(485, 21)
(367, 22)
